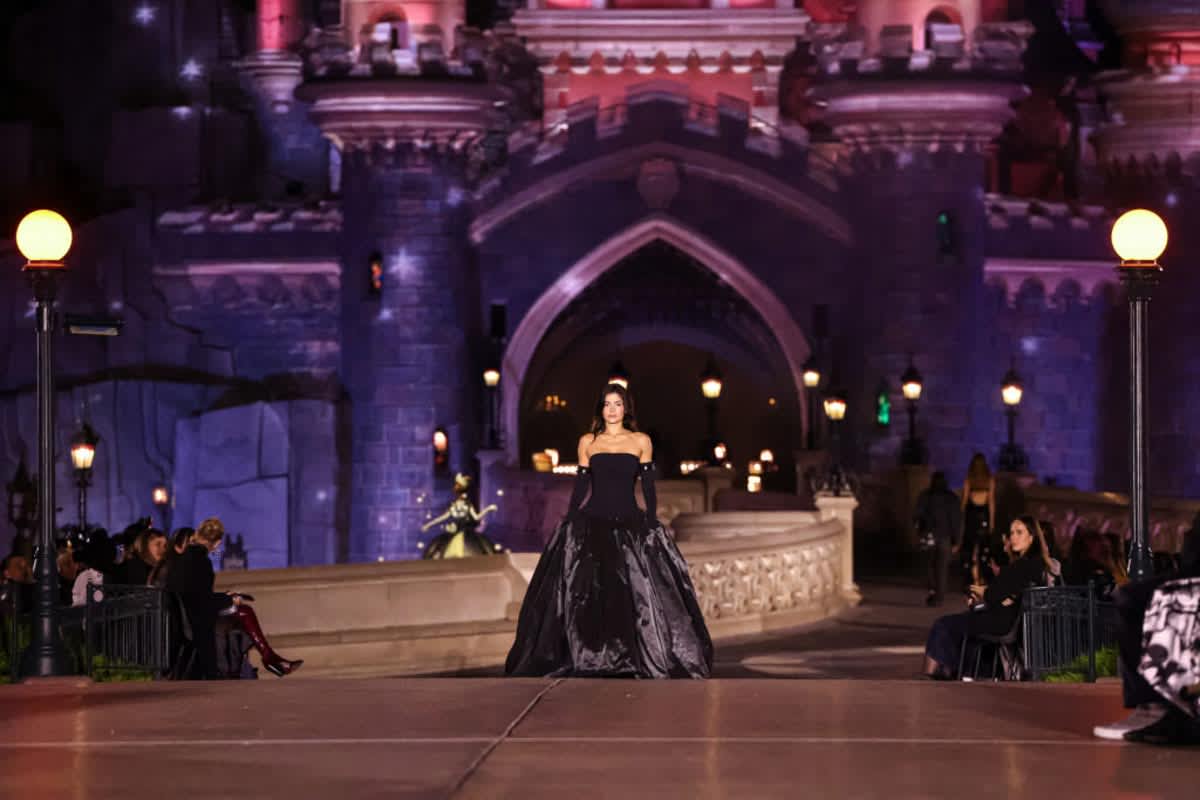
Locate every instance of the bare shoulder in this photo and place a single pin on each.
(643, 443)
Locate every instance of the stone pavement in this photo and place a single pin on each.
(871, 731)
(531, 739)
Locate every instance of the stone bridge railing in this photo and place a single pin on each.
(1070, 510)
(753, 571)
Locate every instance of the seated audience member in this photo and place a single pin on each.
(1091, 559)
(147, 550)
(93, 553)
(1151, 648)
(994, 608)
(179, 543)
(191, 577)
(16, 584)
(1054, 573)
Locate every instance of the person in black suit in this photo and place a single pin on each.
(191, 578)
(995, 607)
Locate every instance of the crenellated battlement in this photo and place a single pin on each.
(320, 217)
(1010, 213)
(653, 111)
(994, 48)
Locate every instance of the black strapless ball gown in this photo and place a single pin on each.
(611, 595)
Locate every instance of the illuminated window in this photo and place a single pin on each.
(375, 275)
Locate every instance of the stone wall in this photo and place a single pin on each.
(136, 422)
(270, 471)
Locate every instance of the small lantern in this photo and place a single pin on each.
(710, 380)
(766, 456)
(1011, 389)
(441, 451)
(720, 451)
(375, 274)
(835, 406)
(812, 375)
(161, 496)
(491, 377)
(754, 483)
(618, 374)
(911, 383)
(83, 449)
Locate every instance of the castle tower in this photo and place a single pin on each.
(1151, 154)
(408, 317)
(594, 48)
(914, 126)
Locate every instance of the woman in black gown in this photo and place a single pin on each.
(611, 595)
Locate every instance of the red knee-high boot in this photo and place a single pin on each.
(275, 663)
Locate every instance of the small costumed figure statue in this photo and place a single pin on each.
(460, 536)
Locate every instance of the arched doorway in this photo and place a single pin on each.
(663, 316)
(789, 344)
(942, 15)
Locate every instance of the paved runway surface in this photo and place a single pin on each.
(576, 739)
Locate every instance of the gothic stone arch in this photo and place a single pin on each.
(554, 300)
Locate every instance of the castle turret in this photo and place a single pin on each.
(1150, 150)
(914, 126)
(407, 301)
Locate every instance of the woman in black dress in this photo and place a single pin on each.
(611, 595)
(979, 544)
(995, 607)
(191, 578)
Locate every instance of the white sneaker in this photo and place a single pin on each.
(1143, 716)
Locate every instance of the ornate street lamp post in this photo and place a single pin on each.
(835, 482)
(491, 383)
(812, 382)
(711, 384)
(1012, 456)
(912, 451)
(22, 502)
(161, 497)
(44, 237)
(1139, 237)
(83, 454)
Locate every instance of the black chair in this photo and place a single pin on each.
(1006, 651)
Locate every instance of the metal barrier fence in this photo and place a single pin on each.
(121, 631)
(127, 629)
(1062, 623)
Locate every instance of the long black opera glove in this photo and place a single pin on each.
(583, 481)
(648, 492)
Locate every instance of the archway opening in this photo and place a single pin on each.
(663, 314)
(939, 16)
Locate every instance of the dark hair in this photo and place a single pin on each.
(1038, 548)
(978, 474)
(938, 482)
(630, 420)
(181, 537)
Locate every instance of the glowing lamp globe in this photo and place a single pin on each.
(491, 378)
(835, 407)
(911, 384)
(766, 456)
(1011, 389)
(44, 236)
(83, 454)
(1139, 236)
